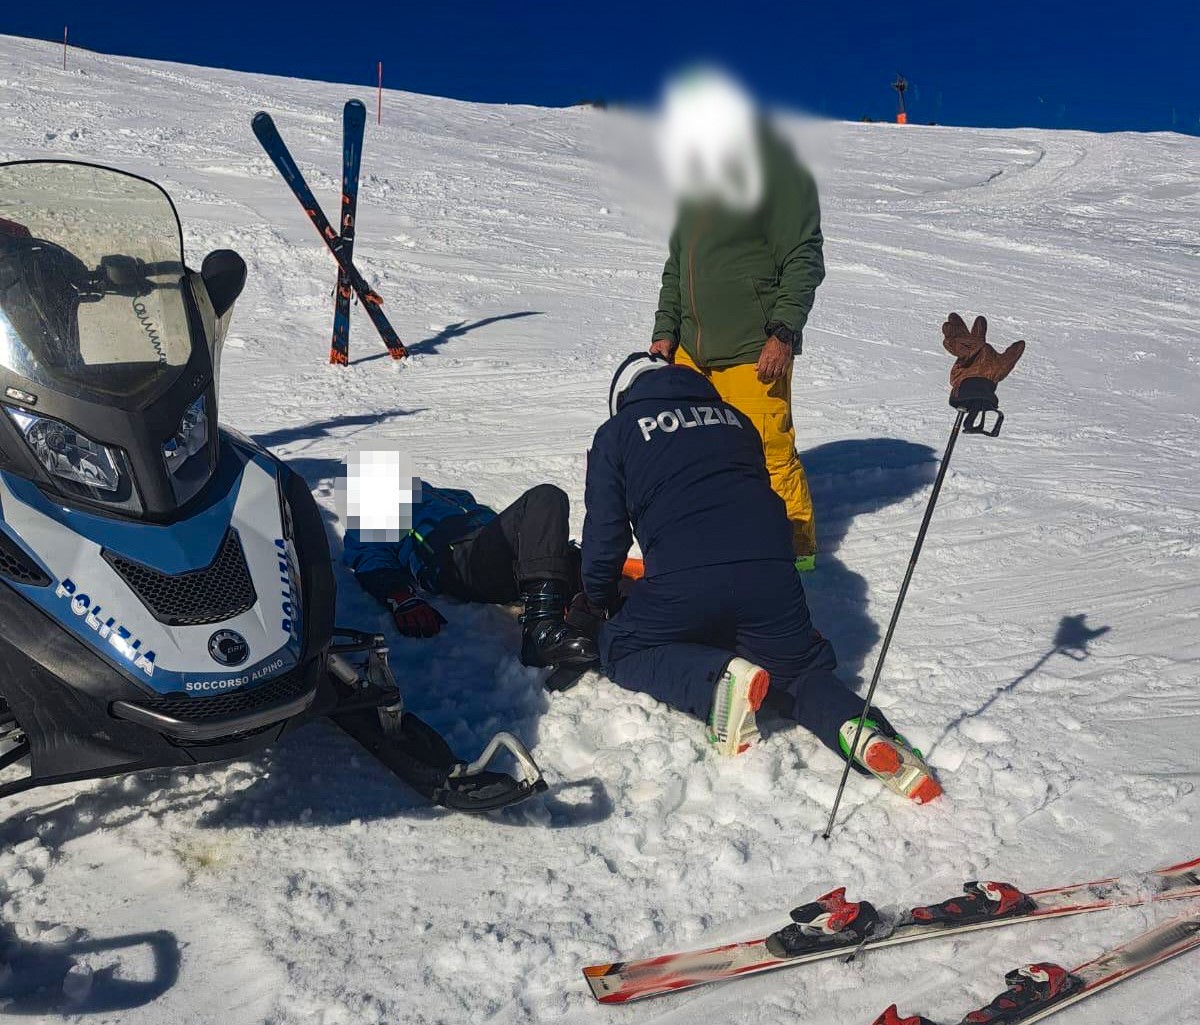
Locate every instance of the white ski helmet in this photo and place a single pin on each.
(709, 140)
(629, 371)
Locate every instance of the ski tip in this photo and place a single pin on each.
(593, 974)
(400, 353)
(338, 358)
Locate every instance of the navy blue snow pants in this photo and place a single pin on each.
(676, 633)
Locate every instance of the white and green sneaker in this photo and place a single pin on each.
(890, 759)
(739, 693)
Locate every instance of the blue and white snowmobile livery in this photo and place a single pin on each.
(148, 596)
(166, 593)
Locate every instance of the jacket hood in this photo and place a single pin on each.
(673, 384)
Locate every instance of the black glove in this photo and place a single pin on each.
(414, 616)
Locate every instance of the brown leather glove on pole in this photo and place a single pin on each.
(977, 369)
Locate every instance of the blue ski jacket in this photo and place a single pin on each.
(444, 516)
(685, 473)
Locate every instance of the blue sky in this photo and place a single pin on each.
(1073, 65)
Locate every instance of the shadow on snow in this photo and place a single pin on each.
(1071, 639)
(849, 479)
(316, 469)
(39, 979)
(450, 331)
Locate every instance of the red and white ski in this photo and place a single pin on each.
(1037, 991)
(831, 927)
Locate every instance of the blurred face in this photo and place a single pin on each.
(377, 493)
(708, 141)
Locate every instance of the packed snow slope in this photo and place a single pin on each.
(1047, 658)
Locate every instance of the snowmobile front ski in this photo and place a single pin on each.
(268, 136)
(1037, 991)
(372, 712)
(354, 118)
(812, 937)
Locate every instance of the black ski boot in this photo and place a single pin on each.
(547, 639)
(829, 921)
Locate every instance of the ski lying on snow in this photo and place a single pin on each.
(1037, 991)
(354, 119)
(623, 981)
(272, 143)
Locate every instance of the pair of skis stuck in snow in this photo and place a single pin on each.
(832, 926)
(340, 244)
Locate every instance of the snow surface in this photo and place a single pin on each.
(1047, 657)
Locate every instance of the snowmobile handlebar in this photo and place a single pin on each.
(116, 274)
(56, 269)
(124, 276)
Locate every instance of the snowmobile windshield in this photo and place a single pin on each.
(91, 281)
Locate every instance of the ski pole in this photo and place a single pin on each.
(887, 640)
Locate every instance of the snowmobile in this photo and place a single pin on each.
(166, 590)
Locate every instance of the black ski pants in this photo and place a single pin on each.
(527, 542)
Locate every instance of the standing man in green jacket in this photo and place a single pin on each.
(740, 280)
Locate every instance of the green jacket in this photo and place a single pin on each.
(731, 274)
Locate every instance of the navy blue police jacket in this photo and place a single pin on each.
(684, 473)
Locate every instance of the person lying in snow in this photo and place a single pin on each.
(719, 623)
(461, 548)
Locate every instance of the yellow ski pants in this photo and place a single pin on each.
(769, 407)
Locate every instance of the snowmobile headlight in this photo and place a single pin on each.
(68, 454)
(190, 436)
